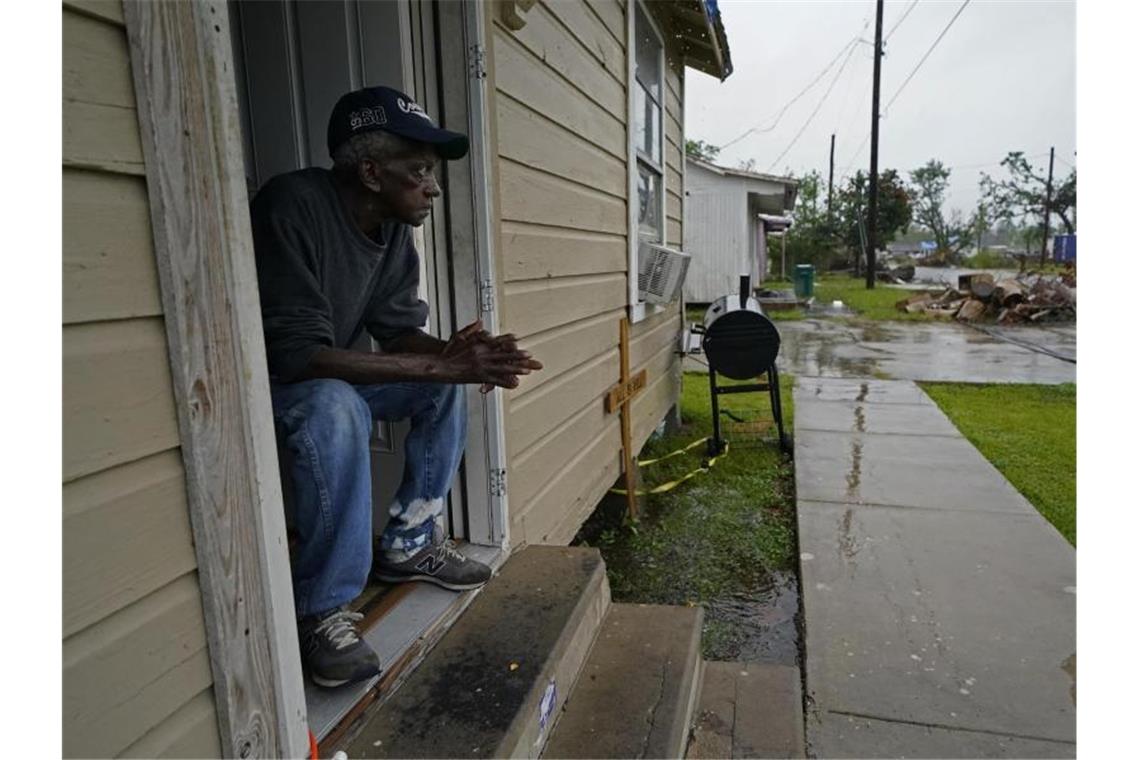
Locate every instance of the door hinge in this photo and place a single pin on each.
(487, 297)
(498, 483)
(477, 62)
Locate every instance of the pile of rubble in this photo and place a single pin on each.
(1025, 299)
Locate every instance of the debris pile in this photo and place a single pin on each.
(1024, 299)
(901, 274)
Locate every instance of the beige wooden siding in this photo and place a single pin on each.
(136, 672)
(560, 102)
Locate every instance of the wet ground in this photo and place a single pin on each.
(939, 606)
(929, 351)
(759, 625)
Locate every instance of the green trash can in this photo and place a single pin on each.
(804, 280)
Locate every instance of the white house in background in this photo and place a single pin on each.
(729, 214)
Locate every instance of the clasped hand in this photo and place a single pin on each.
(491, 360)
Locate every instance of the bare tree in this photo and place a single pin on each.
(1022, 194)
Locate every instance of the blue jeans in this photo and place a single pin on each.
(326, 424)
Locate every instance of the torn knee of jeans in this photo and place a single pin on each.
(418, 512)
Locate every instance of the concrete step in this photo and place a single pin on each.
(496, 681)
(749, 710)
(637, 691)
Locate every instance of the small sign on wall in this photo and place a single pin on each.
(546, 706)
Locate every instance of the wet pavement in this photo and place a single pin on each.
(931, 351)
(939, 606)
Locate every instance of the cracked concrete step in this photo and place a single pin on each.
(636, 694)
(493, 685)
(749, 709)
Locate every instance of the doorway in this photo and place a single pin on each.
(292, 60)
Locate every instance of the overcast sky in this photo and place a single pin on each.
(1003, 78)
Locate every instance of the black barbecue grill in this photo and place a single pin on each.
(741, 343)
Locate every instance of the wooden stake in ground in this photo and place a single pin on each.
(620, 397)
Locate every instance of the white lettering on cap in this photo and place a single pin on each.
(366, 117)
(411, 107)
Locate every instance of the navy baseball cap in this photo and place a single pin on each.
(382, 108)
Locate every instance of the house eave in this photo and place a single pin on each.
(704, 44)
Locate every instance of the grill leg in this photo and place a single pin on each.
(716, 445)
(777, 407)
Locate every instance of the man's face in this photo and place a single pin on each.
(407, 185)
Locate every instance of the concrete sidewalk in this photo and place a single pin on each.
(940, 607)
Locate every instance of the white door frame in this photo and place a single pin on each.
(475, 285)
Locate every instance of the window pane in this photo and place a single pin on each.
(640, 123)
(649, 221)
(648, 55)
(649, 127)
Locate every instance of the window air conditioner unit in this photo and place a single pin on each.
(661, 273)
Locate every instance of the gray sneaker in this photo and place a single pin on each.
(332, 650)
(439, 563)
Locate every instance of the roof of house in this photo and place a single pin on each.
(726, 171)
(766, 198)
(704, 44)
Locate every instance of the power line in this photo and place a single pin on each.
(927, 54)
(757, 127)
(855, 155)
(849, 90)
(818, 106)
(902, 18)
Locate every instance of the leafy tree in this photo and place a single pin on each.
(850, 211)
(1022, 194)
(702, 150)
(929, 182)
(811, 238)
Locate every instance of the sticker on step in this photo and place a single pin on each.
(546, 706)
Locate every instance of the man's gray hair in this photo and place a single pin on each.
(377, 145)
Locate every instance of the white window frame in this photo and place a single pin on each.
(638, 309)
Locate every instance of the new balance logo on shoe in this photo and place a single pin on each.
(430, 564)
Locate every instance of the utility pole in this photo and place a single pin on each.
(873, 204)
(830, 177)
(1048, 200)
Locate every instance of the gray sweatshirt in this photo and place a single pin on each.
(322, 281)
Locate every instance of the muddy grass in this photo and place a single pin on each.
(724, 539)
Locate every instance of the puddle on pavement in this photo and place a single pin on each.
(758, 625)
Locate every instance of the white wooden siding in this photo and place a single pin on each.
(560, 95)
(716, 235)
(136, 673)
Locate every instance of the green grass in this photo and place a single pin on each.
(718, 534)
(1029, 433)
(877, 304)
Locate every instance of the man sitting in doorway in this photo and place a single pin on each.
(334, 258)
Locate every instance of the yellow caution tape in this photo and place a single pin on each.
(678, 452)
(674, 483)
